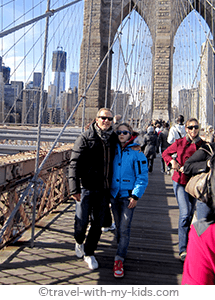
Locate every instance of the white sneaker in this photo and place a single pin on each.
(79, 250)
(112, 227)
(92, 262)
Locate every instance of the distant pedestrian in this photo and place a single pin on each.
(177, 131)
(163, 144)
(149, 146)
(209, 135)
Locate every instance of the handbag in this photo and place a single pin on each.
(199, 185)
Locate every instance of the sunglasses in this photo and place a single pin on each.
(105, 118)
(118, 132)
(194, 126)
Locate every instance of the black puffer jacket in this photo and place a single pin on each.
(197, 163)
(91, 162)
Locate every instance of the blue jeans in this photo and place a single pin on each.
(186, 204)
(122, 217)
(202, 210)
(92, 207)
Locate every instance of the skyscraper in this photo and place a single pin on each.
(37, 79)
(73, 80)
(58, 70)
(207, 86)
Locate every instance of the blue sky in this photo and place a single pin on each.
(65, 30)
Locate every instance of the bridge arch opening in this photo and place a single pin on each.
(193, 70)
(131, 93)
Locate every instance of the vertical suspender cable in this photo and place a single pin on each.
(108, 58)
(87, 65)
(14, 53)
(2, 85)
(39, 125)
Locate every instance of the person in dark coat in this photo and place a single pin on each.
(162, 141)
(199, 266)
(90, 175)
(198, 163)
(149, 147)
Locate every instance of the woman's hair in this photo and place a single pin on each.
(127, 125)
(191, 120)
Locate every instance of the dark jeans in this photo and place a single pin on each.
(92, 207)
(123, 217)
(150, 164)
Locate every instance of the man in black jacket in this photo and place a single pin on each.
(90, 174)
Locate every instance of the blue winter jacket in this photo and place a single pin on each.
(130, 172)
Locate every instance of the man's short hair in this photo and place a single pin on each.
(105, 109)
(180, 119)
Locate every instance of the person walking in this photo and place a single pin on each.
(130, 179)
(199, 163)
(163, 144)
(149, 146)
(90, 174)
(184, 148)
(177, 131)
(199, 266)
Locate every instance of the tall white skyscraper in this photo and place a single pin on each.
(59, 70)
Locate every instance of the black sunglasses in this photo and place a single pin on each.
(194, 126)
(105, 118)
(118, 132)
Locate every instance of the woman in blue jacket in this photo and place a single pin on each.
(130, 179)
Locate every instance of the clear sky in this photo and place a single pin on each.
(65, 30)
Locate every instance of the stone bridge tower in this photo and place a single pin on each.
(163, 19)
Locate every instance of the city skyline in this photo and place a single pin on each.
(9, 59)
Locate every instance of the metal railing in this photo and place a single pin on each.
(52, 189)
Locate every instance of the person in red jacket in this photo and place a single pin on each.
(184, 148)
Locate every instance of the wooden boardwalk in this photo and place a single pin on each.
(152, 256)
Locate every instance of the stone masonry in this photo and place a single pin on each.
(163, 17)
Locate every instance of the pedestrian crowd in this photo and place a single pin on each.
(108, 174)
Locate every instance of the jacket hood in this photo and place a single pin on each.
(179, 126)
(131, 142)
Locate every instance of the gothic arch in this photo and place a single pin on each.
(203, 8)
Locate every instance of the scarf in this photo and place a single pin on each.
(103, 134)
(194, 141)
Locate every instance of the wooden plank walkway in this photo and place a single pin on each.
(152, 256)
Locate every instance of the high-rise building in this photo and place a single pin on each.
(30, 108)
(207, 86)
(189, 103)
(73, 80)
(6, 74)
(37, 79)
(58, 70)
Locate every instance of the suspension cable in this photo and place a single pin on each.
(49, 13)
